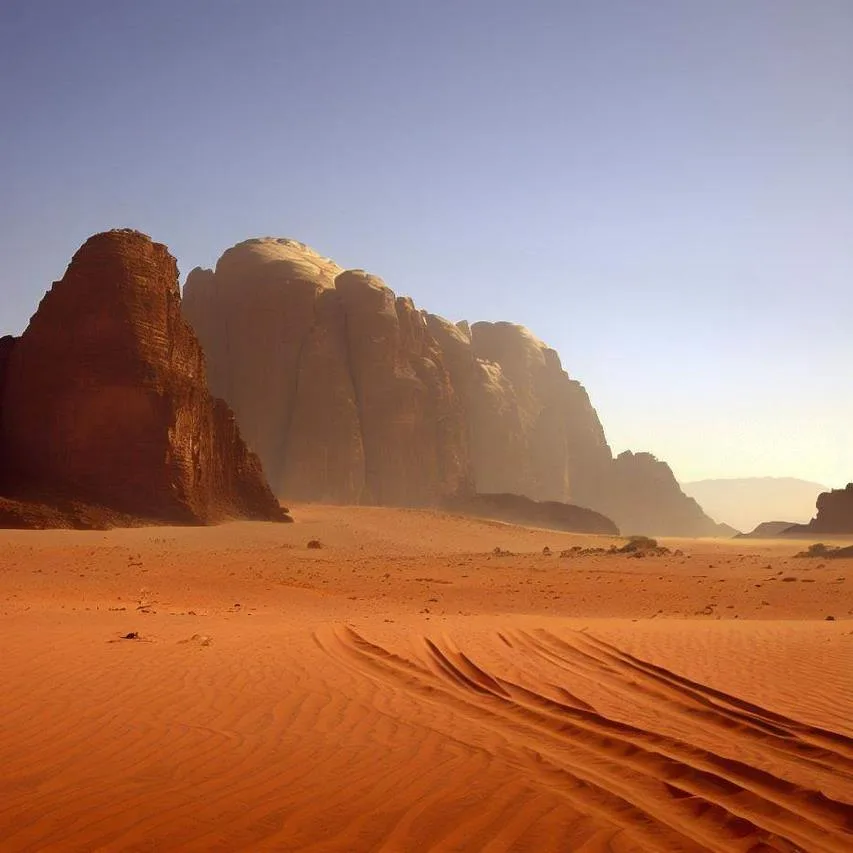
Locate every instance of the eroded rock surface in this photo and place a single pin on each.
(644, 497)
(105, 400)
(351, 394)
(337, 382)
(834, 514)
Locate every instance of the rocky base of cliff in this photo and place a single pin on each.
(517, 509)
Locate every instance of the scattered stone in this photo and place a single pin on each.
(314, 544)
(818, 549)
(639, 543)
(831, 552)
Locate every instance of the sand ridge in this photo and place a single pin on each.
(404, 688)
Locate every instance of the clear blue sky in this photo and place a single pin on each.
(660, 189)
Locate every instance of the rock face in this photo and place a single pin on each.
(336, 382)
(105, 400)
(644, 496)
(7, 344)
(532, 430)
(350, 394)
(834, 514)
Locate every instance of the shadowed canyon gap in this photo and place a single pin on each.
(351, 394)
(104, 403)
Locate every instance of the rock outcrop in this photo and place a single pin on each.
(531, 429)
(336, 382)
(834, 515)
(105, 401)
(350, 394)
(517, 509)
(643, 495)
(7, 344)
(767, 530)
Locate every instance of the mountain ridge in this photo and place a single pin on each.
(351, 394)
(746, 502)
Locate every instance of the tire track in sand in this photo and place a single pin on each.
(662, 790)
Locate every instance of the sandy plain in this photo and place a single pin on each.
(404, 688)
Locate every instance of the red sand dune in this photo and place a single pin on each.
(403, 688)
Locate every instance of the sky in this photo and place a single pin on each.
(662, 190)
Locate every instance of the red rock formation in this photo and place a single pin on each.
(323, 457)
(258, 309)
(351, 394)
(7, 344)
(564, 448)
(834, 511)
(534, 432)
(413, 433)
(834, 515)
(337, 382)
(643, 496)
(496, 442)
(106, 403)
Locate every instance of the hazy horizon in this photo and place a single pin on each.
(744, 503)
(661, 192)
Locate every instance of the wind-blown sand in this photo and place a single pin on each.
(405, 689)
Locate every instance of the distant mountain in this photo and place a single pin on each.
(747, 502)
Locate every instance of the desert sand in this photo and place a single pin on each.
(404, 688)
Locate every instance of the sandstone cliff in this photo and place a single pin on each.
(7, 344)
(351, 394)
(533, 431)
(643, 494)
(105, 401)
(336, 382)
